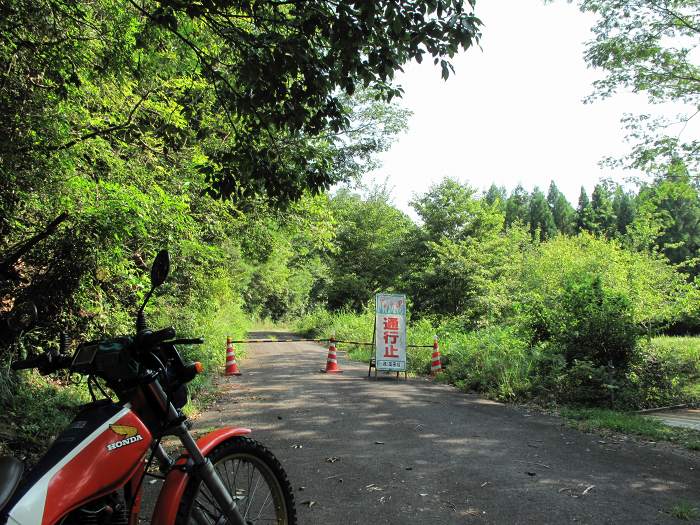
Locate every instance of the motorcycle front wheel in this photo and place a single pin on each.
(256, 481)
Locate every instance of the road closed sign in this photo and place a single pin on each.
(390, 342)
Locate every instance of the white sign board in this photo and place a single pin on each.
(390, 342)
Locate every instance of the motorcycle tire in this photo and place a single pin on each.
(240, 461)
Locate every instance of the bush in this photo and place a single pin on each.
(594, 324)
(665, 371)
(646, 281)
(494, 360)
(590, 339)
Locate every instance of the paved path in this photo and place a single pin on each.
(685, 418)
(381, 451)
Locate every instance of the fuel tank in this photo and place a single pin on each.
(98, 453)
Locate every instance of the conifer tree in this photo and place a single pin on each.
(604, 222)
(584, 213)
(623, 206)
(496, 195)
(518, 206)
(562, 212)
(541, 219)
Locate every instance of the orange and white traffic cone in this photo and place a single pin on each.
(231, 365)
(332, 360)
(435, 362)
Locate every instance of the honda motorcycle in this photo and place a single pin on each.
(93, 473)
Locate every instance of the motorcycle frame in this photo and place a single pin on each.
(193, 462)
(176, 480)
(178, 473)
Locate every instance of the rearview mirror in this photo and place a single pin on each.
(160, 268)
(22, 316)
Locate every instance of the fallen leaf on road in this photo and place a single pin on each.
(485, 483)
(378, 442)
(302, 488)
(308, 503)
(297, 445)
(332, 459)
(531, 473)
(588, 489)
(533, 463)
(472, 511)
(411, 468)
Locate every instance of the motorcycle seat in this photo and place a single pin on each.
(11, 471)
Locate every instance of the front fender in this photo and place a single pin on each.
(175, 483)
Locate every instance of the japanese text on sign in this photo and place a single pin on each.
(390, 349)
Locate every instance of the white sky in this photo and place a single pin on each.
(512, 113)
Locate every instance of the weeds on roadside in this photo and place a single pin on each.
(684, 510)
(596, 419)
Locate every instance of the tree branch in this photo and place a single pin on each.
(103, 131)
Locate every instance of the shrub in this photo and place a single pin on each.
(584, 344)
(594, 324)
(665, 371)
(494, 360)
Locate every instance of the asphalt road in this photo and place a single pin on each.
(415, 452)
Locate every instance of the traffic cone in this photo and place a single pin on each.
(435, 363)
(231, 365)
(332, 360)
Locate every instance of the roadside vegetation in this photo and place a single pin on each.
(573, 318)
(605, 420)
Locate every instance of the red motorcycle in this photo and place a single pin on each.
(93, 472)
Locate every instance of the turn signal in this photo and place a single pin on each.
(198, 367)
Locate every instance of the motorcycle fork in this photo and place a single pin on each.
(201, 466)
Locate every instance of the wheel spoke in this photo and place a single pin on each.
(252, 495)
(254, 483)
(262, 508)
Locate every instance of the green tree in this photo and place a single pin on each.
(541, 220)
(562, 212)
(457, 251)
(647, 46)
(497, 195)
(584, 213)
(623, 207)
(669, 212)
(452, 210)
(258, 88)
(602, 213)
(369, 253)
(518, 206)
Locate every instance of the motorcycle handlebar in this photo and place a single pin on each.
(26, 364)
(149, 339)
(46, 363)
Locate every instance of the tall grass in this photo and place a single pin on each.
(494, 360)
(499, 362)
(491, 360)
